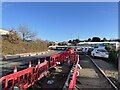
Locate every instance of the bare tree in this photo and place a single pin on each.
(26, 33)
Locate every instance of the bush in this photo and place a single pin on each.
(12, 37)
(109, 48)
(113, 57)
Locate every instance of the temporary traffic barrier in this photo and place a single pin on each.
(53, 61)
(73, 81)
(20, 79)
(27, 77)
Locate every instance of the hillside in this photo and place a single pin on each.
(12, 43)
(23, 47)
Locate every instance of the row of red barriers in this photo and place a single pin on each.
(72, 84)
(27, 77)
(62, 58)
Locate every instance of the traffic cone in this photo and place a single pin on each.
(45, 60)
(38, 61)
(29, 64)
(15, 68)
(79, 66)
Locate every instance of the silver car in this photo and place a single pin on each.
(99, 52)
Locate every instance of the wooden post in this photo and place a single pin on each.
(119, 67)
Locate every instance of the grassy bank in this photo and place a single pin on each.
(23, 47)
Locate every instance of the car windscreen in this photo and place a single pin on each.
(101, 50)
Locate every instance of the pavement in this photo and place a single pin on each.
(109, 69)
(90, 77)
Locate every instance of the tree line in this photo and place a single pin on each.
(93, 39)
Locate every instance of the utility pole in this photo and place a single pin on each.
(78, 36)
(119, 43)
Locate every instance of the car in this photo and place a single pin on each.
(100, 52)
(79, 49)
(89, 51)
(85, 50)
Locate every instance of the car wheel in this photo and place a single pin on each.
(93, 55)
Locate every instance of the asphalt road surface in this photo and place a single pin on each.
(22, 63)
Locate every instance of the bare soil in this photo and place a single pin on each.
(58, 75)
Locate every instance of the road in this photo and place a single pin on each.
(22, 63)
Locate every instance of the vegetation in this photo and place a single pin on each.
(12, 37)
(26, 33)
(109, 48)
(12, 43)
(23, 47)
(113, 57)
(93, 39)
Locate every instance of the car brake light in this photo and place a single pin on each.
(106, 52)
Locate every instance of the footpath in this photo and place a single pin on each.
(110, 70)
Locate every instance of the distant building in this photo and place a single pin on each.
(99, 44)
(3, 32)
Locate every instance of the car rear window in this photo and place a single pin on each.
(101, 50)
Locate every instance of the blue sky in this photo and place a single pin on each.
(63, 21)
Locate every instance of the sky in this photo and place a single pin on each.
(62, 21)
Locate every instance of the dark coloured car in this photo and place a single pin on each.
(89, 51)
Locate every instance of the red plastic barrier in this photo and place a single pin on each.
(26, 77)
(71, 85)
(53, 61)
(73, 58)
(73, 81)
(40, 70)
(15, 77)
(64, 57)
